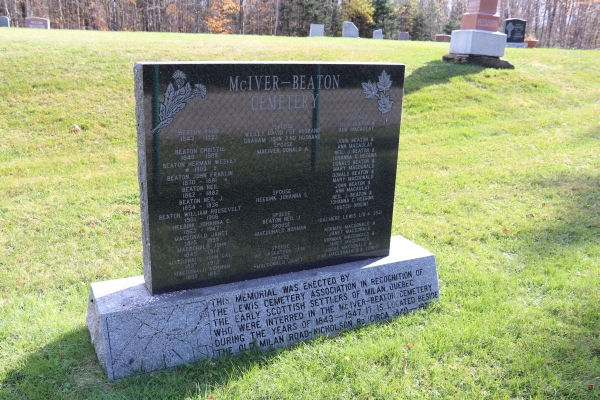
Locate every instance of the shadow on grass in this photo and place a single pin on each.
(437, 73)
(68, 368)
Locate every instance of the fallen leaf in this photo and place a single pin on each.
(405, 363)
(590, 386)
(76, 127)
(530, 216)
(543, 204)
(408, 345)
(212, 396)
(505, 230)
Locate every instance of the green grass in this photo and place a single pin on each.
(498, 175)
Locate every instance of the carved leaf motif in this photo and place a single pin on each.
(385, 83)
(199, 90)
(385, 104)
(169, 95)
(176, 100)
(369, 90)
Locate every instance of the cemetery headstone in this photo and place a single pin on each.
(442, 38)
(478, 37)
(403, 36)
(317, 30)
(349, 29)
(4, 21)
(514, 28)
(266, 198)
(377, 34)
(40, 23)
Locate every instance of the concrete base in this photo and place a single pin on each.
(516, 45)
(134, 332)
(484, 61)
(479, 43)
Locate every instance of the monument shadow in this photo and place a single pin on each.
(437, 73)
(68, 368)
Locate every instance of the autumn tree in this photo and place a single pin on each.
(222, 16)
(361, 13)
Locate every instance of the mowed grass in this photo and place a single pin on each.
(498, 175)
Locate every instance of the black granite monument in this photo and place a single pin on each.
(267, 193)
(260, 169)
(514, 29)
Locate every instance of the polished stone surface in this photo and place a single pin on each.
(403, 36)
(377, 34)
(349, 29)
(317, 30)
(40, 23)
(252, 170)
(134, 332)
(481, 15)
(4, 22)
(478, 43)
(514, 29)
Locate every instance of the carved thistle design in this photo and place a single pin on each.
(176, 100)
(377, 90)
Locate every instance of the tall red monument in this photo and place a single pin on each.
(481, 14)
(479, 34)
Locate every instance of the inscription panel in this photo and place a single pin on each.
(251, 170)
(135, 332)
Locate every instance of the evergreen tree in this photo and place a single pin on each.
(384, 17)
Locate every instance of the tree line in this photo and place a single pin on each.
(555, 23)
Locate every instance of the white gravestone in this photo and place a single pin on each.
(378, 34)
(317, 30)
(4, 22)
(349, 29)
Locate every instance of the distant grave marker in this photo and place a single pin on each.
(514, 28)
(317, 30)
(403, 36)
(349, 29)
(477, 41)
(442, 38)
(4, 22)
(378, 34)
(39, 23)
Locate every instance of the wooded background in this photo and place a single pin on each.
(555, 23)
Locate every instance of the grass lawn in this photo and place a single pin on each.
(498, 175)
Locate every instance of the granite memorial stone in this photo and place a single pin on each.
(39, 23)
(4, 22)
(267, 196)
(227, 199)
(317, 30)
(377, 34)
(403, 36)
(514, 28)
(478, 33)
(349, 29)
(442, 38)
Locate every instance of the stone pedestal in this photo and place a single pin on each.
(479, 43)
(478, 35)
(134, 332)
